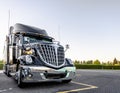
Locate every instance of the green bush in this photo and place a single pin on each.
(92, 66)
(111, 67)
(1, 62)
(107, 67)
(116, 67)
(86, 66)
(1, 66)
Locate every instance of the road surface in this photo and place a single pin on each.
(86, 81)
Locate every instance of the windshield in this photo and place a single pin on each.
(33, 39)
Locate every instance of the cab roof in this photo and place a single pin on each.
(21, 28)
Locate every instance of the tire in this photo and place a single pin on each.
(19, 81)
(66, 81)
(7, 72)
(4, 70)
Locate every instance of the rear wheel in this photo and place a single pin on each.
(4, 69)
(7, 72)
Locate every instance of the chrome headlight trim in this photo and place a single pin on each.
(28, 59)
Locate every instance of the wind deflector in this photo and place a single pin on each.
(21, 28)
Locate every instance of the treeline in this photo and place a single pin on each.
(97, 62)
(91, 64)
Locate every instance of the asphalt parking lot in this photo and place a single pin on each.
(86, 81)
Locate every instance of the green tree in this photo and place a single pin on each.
(84, 62)
(115, 61)
(76, 62)
(81, 62)
(96, 62)
(109, 63)
(89, 62)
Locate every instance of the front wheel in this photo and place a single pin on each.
(19, 81)
(66, 81)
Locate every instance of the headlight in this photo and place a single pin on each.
(26, 72)
(28, 59)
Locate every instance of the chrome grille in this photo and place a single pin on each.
(52, 55)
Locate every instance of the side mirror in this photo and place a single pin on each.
(67, 47)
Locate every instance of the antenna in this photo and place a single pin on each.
(59, 33)
(8, 19)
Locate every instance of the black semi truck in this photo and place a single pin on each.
(30, 55)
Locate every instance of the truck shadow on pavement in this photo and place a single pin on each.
(42, 85)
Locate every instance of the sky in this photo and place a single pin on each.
(90, 27)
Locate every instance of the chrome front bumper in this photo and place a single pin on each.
(45, 74)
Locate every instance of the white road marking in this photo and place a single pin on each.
(80, 89)
(82, 84)
(3, 90)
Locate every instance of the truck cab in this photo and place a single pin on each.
(30, 55)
